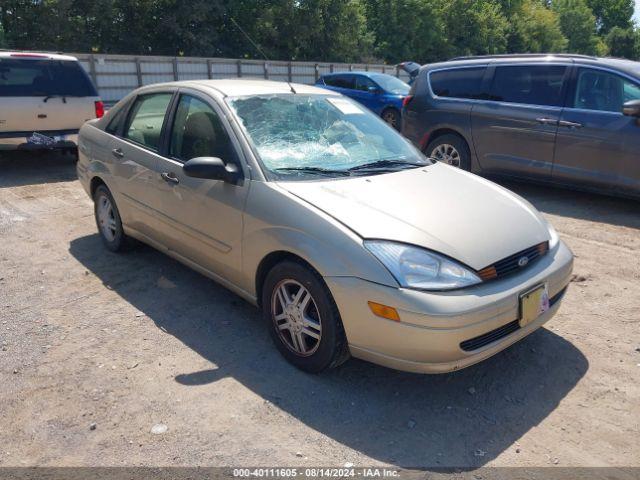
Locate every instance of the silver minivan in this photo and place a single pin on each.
(44, 100)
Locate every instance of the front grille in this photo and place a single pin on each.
(514, 262)
(501, 332)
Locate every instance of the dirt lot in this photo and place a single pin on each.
(97, 348)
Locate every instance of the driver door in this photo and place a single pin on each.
(201, 219)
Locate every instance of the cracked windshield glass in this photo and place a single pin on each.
(298, 136)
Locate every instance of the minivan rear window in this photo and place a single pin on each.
(39, 78)
(458, 82)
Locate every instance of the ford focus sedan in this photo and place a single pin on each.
(309, 206)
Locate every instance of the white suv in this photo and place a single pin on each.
(44, 100)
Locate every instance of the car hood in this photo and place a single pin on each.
(437, 207)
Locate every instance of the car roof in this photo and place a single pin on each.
(625, 66)
(36, 56)
(239, 87)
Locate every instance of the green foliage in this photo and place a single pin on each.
(624, 43)
(612, 13)
(535, 28)
(320, 30)
(578, 24)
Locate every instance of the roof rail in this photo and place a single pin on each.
(524, 55)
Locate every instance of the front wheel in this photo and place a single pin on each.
(303, 318)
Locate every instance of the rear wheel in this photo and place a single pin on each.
(450, 149)
(392, 117)
(303, 318)
(108, 220)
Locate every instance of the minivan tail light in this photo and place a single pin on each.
(407, 100)
(99, 109)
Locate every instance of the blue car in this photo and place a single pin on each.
(379, 92)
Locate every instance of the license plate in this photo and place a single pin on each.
(40, 139)
(533, 304)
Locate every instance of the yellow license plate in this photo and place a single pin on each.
(533, 304)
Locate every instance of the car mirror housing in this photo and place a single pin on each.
(375, 90)
(211, 168)
(632, 108)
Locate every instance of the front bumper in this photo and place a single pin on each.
(45, 140)
(433, 325)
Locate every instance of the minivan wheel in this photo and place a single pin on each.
(108, 220)
(450, 149)
(302, 318)
(392, 117)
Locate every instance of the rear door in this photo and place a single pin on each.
(134, 156)
(44, 95)
(597, 145)
(514, 132)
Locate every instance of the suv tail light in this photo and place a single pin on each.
(99, 109)
(406, 100)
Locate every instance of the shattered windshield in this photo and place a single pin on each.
(300, 135)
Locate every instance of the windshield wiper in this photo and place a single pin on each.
(387, 165)
(313, 170)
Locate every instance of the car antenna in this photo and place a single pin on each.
(257, 47)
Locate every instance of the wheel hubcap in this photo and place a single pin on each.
(296, 317)
(447, 154)
(106, 218)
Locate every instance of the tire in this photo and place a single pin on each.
(318, 317)
(108, 220)
(392, 117)
(451, 149)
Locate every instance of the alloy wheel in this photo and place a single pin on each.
(296, 317)
(106, 218)
(446, 153)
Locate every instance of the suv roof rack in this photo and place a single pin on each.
(524, 55)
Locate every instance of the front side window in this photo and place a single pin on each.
(146, 119)
(39, 78)
(529, 84)
(198, 132)
(603, 91)
(391, 84)
(458, 83)
(294, 134)
(364, 84)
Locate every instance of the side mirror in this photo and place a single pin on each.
(632, 108)
(374, 90)
(211, 168)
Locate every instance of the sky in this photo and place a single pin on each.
(636, 16)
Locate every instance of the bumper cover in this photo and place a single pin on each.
(434, 324)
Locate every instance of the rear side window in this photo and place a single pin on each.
(458, 83)
(340, 81)
(529, 84)
(39, 78)
(146, 119)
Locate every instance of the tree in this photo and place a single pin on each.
(624, 43)
(612, 13)
(474, 27)
(535, 29)
(578, 24)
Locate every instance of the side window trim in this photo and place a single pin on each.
(125, 125)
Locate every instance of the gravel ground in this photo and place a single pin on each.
(100, 350)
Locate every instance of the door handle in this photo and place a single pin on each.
(547, 121)
(170, 177)
(564, 123)
(118, 153)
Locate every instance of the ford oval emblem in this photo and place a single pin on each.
(522, 262)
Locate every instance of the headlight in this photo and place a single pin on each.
(421, 269)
